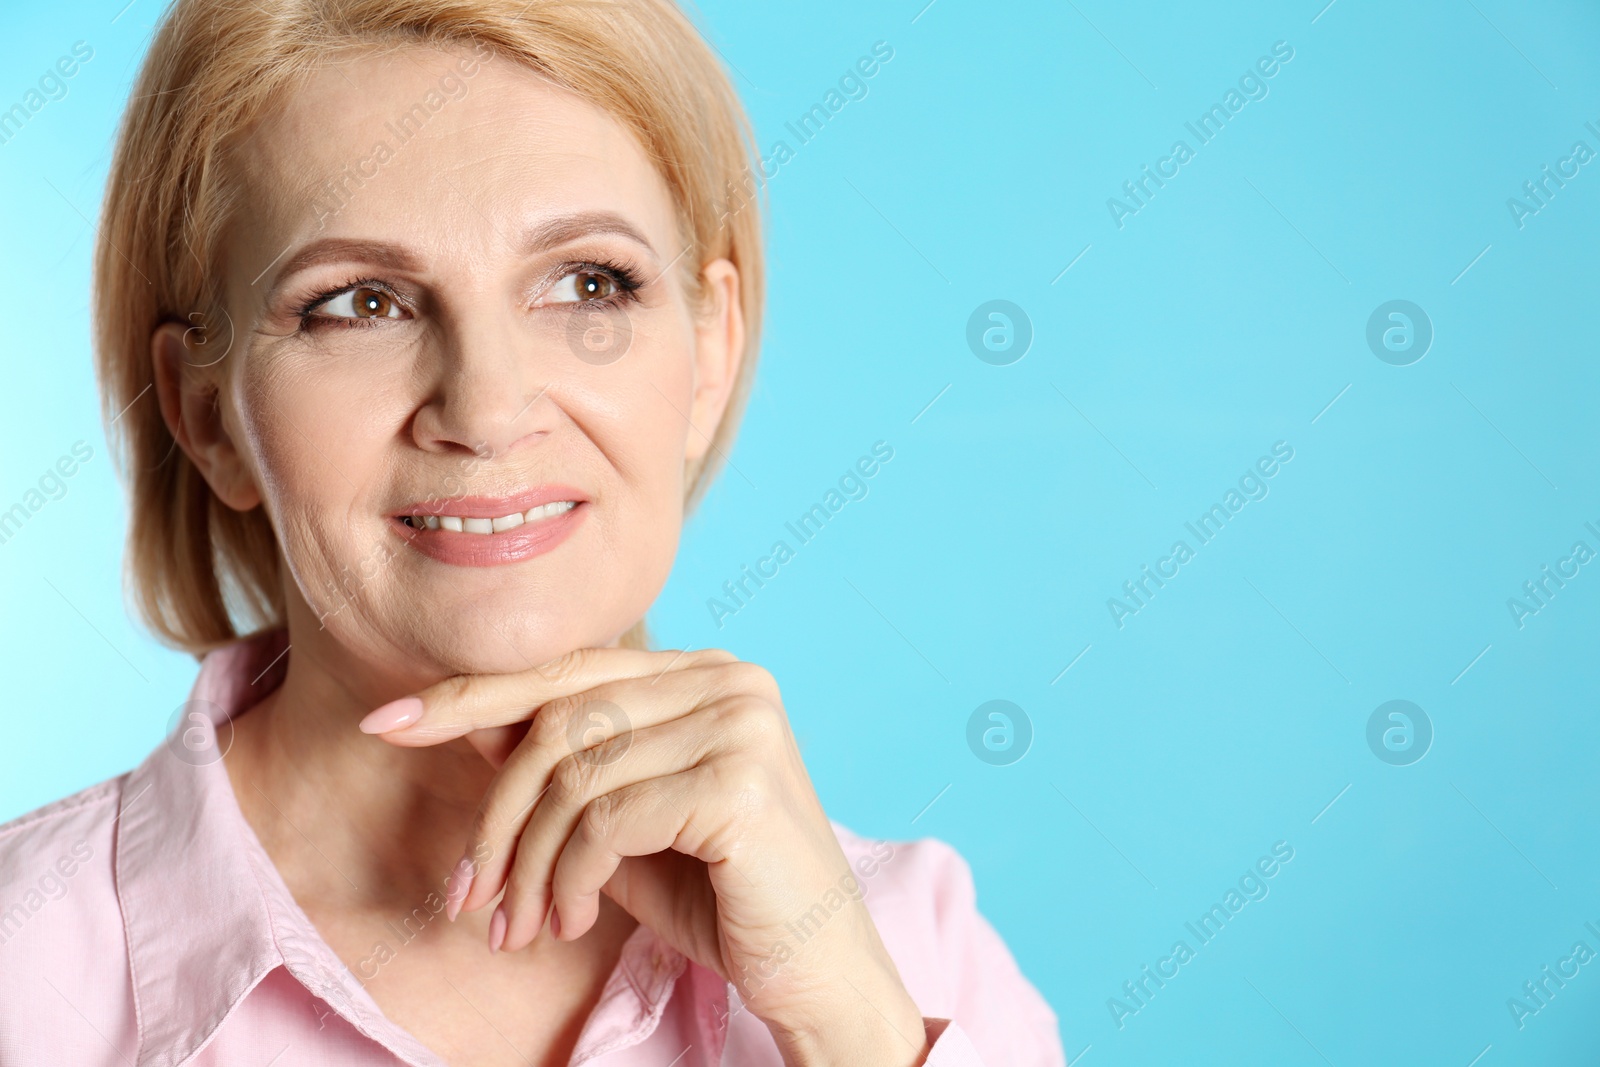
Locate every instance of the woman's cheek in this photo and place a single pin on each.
(315, 481)
(314, 570)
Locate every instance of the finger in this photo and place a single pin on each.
(564, 727)
(637, 820)
(466, 702)
(674, 893)
(577, 781)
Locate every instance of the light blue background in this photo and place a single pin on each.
(1223, 317)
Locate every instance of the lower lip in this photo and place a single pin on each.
(491, 550)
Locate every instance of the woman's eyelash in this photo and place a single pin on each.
(627, 279)
(305, 311)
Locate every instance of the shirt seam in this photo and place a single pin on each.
(101, 793)
(133, 975)
(127, 931)
(215, 1030)
(655, 1011)
(232, 1007)
(361, 1025)
(277, 947)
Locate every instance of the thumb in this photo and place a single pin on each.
(672, 894)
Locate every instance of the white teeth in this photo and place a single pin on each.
(545, 511)
(483, 526)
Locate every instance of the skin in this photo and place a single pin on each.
(695, 817)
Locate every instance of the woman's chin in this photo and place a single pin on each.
(476, 646)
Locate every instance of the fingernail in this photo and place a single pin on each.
(497, 930)
(392, 716)
(459, 885)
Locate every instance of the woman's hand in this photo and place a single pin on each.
(671, 782)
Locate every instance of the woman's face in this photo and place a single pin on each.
(460, 302)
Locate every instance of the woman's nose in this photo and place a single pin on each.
(489, 380)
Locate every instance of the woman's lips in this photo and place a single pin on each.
(494, 507)
(479, 524)
(483, 532)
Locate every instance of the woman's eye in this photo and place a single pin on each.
(583, 285)
(362, 302)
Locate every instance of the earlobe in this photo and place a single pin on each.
(719, 352)
(191, 407)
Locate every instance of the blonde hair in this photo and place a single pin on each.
(199, 573)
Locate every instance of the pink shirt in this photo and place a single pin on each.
(142, 924)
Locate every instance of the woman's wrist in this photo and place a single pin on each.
(861, 1029)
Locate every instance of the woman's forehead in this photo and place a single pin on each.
(448, 149)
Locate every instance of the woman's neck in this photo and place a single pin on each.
(342, 813)
(365, 833)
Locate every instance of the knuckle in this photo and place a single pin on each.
(563, 669)
(600, 818)
(549, 729)
(582, 721)
(457, 689)
(747, 786)
(753, 722)
(752, 678)
(573, 780)
(523, 887)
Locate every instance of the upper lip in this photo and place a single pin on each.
(493, 507)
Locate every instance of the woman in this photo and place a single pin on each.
(423, 322)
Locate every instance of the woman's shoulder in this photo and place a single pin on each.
(924, 903)
(58, 897)
(922, 898)
(81, 819)
(924, 873)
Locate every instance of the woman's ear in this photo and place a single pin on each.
(719, 351)
(192, 407)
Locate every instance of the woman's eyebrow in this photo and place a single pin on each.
(564, 228)
(540, 237)
(335, 249)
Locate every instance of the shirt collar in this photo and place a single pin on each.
(206, 913)
(208, 916)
